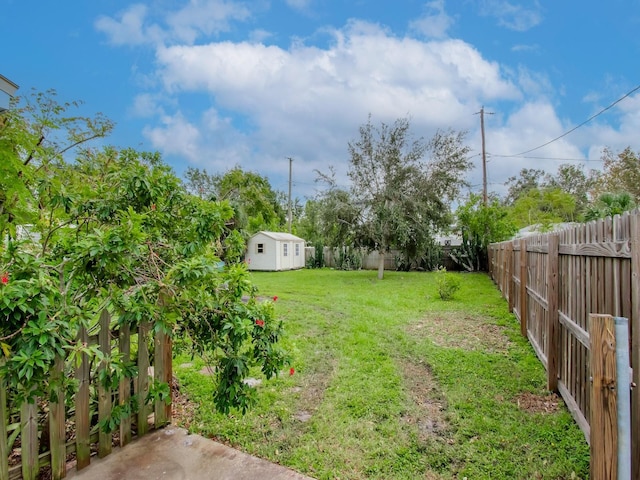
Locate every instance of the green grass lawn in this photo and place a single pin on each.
(393, 383)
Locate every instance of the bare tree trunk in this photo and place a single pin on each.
(380, 265)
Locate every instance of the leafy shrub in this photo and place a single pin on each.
(317, 260)
(448, 284)
(349, 258)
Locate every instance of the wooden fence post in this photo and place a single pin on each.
(523, 287)
(635, 343)
(104, 394)
(83, 428)
(603, 408)
(553, 327)
(57, 431)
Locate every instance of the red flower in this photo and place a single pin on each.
(260, 323)
(5, 278)
(153, 207)
(292, 371)
(275, 298)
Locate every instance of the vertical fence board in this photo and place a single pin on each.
(168, 369)
(83, 451)
(553, 325)
(160, 413)
(4, 420)
(142, 385)
(29, 439)
(104, 394)
(57, 431)
(523, 287)
(124, 390)
(604, 414)
(510, 283)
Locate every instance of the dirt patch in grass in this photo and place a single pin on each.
(183, 410)
(311, 390)
(429, 403)
(456, 330)
(533, 403)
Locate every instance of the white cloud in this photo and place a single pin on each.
(534, 123)
(129, 28)
(175, 136)
(299, 4)
(196, 19)
(146, 105)
(435, 23)
(205, 17)
(307, 102)
(512, 15)
(525, 48)
(534, 83)
(265, 103)
(259, 35)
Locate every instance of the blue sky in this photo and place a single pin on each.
(218, 83)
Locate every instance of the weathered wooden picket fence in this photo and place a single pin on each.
(73, 430)
(554, 282)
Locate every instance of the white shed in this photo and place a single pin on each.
(273, 251)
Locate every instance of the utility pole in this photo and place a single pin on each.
(290, 214)
(484, 156)
(484, 159)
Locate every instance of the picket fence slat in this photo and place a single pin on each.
(142, 384)
(124, 390)
(57, 431)
(82, 421)
(104, 395)
(29, 437)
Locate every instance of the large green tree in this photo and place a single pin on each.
(621, 173)
(519, 185)
(403, 198)
(256, 205)
(480, 225)
(543, 207)
(530, 184)
(573, 180)
(115, 229)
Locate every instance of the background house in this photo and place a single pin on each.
(274, 251)
(8, 89)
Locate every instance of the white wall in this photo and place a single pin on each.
(272, 258)
(268, 259)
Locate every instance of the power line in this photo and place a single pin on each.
(578, 126)
(491, 155)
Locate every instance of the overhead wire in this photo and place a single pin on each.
(547, 158)
(578, 126)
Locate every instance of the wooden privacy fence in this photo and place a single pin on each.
(553, 282)
(73, 429)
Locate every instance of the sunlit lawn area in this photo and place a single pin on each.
(393, 383)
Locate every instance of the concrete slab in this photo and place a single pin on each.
(172, 454)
